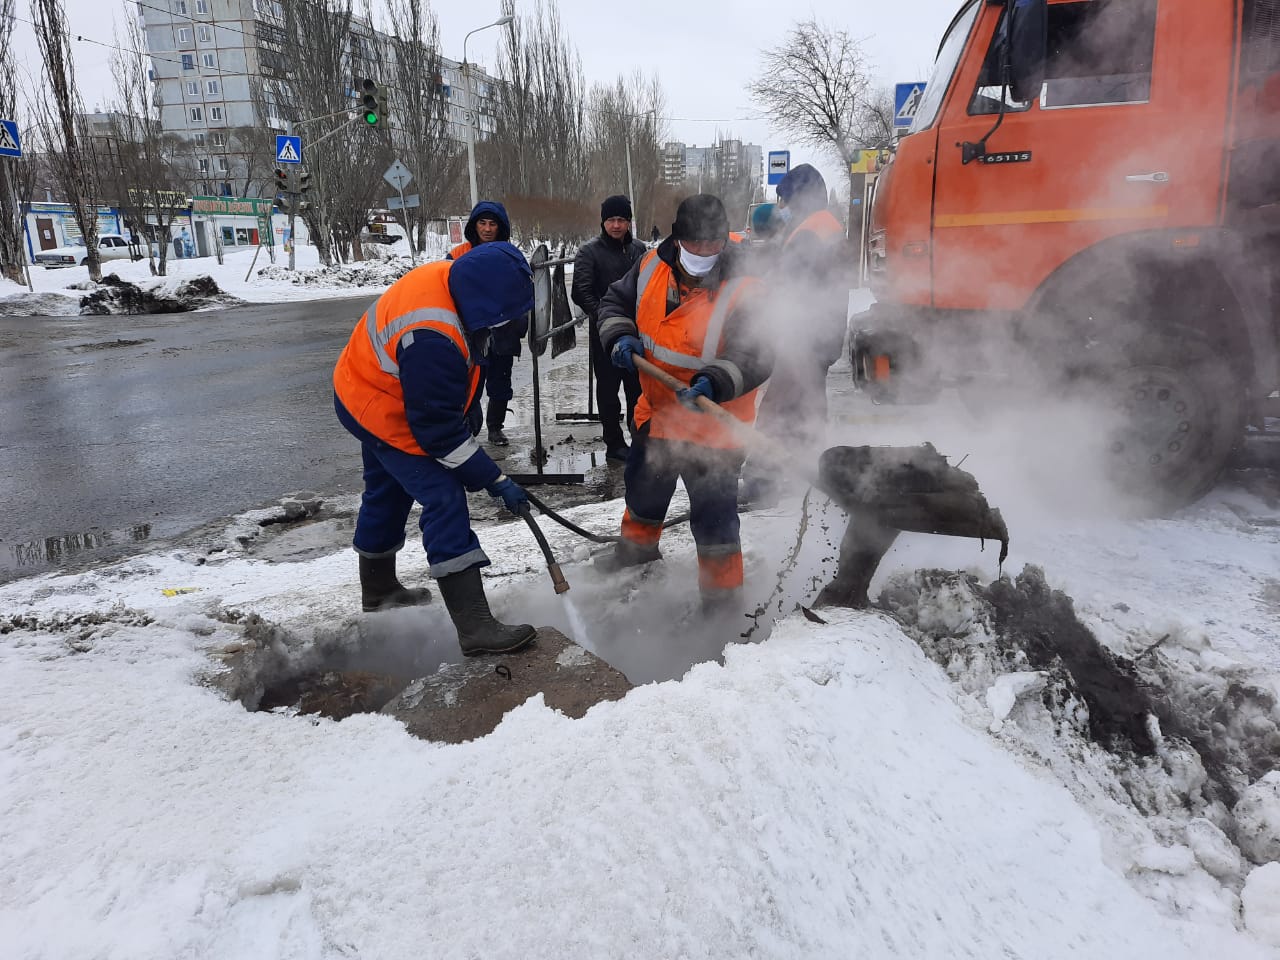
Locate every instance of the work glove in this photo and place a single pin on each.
(510, 493)
(621, 354)
(699, 386)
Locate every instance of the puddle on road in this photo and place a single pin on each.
(52, 551)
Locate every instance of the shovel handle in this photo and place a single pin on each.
(750, 437)
(705, 404)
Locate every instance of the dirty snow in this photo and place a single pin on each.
(828, 792)
(58, 292)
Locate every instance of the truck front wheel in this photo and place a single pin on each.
(1174, 412)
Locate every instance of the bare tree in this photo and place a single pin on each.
(17, 174)
(815, 85)
(141, 167)
(421, 129)
(538, 147)
(626, 120)
(70, 152)
(327, 48)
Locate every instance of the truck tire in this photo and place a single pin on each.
(1180, 414)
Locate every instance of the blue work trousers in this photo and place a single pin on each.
(710, 478)
(393, 480)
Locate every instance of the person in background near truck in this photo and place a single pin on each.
(599, 263)
(809, 294)
(401, 386)
(687, 307)
(488, 223)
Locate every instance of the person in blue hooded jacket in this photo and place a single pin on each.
(402, 387)
(489, 223)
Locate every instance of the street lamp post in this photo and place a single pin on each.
(473, 117)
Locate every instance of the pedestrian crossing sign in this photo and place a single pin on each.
(906, 101)
(10, 144)
(288, 149)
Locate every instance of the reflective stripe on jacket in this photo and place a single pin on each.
(683, 342)
(367, 376)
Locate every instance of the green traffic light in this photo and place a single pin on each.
(371, 118)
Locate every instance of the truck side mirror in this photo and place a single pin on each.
(1028, 47)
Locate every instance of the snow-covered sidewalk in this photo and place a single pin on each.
(826, 793)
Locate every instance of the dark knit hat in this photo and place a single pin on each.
(701, 218)
(804, 183)
(615, 206)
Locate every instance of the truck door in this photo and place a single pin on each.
(1128, 134)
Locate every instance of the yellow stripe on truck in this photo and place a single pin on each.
(1049, 216)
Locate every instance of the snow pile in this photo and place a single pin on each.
(380, 273)
(1140, 743)
(818, 795)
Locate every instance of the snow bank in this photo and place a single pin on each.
(822, 794)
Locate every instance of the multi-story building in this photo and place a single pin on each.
(210, 56)
(724, 161)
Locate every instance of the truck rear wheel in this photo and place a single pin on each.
(1178, 413)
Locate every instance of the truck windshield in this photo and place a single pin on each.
(944, 68)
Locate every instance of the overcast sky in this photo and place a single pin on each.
(704, 51)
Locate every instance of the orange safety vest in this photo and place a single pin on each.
(822, 223)
(367, 376)
(460, 249)
(736, 237)
(681, 343)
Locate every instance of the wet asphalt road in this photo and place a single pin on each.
(151, 425)
(119, 430)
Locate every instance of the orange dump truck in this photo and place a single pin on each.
(1089, 200)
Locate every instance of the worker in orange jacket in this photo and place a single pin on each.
(808, 276)
(686, 308)
(402, 385)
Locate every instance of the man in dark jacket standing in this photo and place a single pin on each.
(599, 263)
(488, 223)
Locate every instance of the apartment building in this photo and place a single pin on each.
(724, 161)
(209, 56)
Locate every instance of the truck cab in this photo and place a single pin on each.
(1089, 197)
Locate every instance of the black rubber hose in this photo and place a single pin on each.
(587, 534)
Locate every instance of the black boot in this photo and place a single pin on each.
(478, 631)
(625, 554)
(496, 416)
(381, 589)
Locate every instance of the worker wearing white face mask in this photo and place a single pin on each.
(686, 308)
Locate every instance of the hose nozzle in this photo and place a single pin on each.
(557, 578)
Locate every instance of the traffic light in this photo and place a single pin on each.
(282, 179)
(369, 101)
(304, 182)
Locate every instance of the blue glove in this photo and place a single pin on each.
(621, 353)
(699, 386)
(510, 493)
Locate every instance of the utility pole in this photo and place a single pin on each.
(473, 118)
(293, 209)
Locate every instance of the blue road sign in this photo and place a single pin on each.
(906, 101)
(288, 149)
(10, 142)
(778, 165)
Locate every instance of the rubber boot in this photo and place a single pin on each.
(720, 603)
(625, 554)
(496, 417)
(381, 589)
(478, 631)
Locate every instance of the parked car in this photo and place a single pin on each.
(111, 246)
